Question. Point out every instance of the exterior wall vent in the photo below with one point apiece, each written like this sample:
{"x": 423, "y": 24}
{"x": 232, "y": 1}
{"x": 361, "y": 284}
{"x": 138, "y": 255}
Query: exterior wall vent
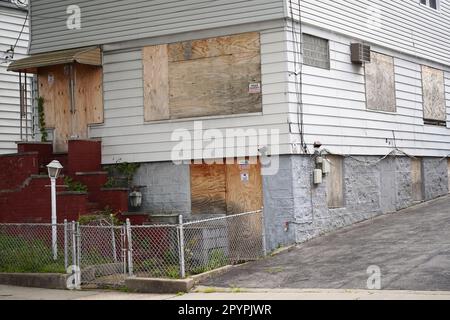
{"x": 360, "y": 53}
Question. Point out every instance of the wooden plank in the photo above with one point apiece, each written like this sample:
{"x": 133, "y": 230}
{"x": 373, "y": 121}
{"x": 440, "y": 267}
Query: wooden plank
{"x": 201, "y": 87}
{"x": 380, "y": 83}
{"x": 156, "y": 83}
{"x": 434, "y": 106}
{"x": 335, "y": 182}
{"x": 244, "y": 195}
{"x": 54, "y": 86}
{"x": 89, "y": 92}
{"x": 208, "y": 189}
{"x": 214, "y": 47}
{"x": 46, "y": 92}
{"x": 416, "y": 172}
{"x": 212, "y": 76}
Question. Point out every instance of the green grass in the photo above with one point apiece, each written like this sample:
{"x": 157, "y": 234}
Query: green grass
{"x": 18, "y": 255}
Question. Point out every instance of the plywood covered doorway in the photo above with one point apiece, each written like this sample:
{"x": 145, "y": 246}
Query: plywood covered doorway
{"x": 226, "y": 188}
{"x": 71, "y": 105}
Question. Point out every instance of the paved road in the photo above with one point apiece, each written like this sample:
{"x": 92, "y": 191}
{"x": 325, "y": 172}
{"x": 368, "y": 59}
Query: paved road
{"x": 202, "y": 294}
{"x": 412, "y": 248}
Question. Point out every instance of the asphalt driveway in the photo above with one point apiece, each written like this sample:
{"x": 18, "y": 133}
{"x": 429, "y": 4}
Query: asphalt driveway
{"x": 411, "y": 248}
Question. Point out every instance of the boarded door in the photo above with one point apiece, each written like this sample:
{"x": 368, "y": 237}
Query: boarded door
{"x": 67, "y": 121}
{"x": 226, "y": 189}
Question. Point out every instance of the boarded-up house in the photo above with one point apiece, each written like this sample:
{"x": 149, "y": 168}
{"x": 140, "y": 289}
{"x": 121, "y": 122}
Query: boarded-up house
{"x": 370, "y": 80}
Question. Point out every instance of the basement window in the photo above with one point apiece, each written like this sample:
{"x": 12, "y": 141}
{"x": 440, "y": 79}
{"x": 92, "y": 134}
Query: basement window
{"x": 433, "y": 4}
{"x": 335, "y": 182}
{"x": 316, "y": 52}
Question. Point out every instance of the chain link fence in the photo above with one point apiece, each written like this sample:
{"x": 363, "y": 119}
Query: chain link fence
{"x": 106, "y": 254}
{"x": 30, "y": 248}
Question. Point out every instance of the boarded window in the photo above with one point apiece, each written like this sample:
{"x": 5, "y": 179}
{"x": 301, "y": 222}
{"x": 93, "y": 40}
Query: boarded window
{"x": 316, "y": 51}
{"x": 434, "y": 106}
{"x": 335, "y": 182}
{"x": 416, "y": 173}
{"x": 380, "y": 83}
{"x": 209, "y": 77}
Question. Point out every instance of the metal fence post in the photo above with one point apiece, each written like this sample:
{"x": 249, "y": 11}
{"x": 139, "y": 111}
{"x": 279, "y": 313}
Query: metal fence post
{"x": 113, "y": 239}
{"x": 263, "y": 225}
{"x": 130, "y": 248}
{"x": 181, "y": 243}
{"x": 74, "y": 244}
{"x": 66, "y": 249}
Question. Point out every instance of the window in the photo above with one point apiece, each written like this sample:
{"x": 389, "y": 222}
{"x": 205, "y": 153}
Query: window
{"x": 430, "y": 3}
{"x": 335, "y": 182}
{"x": 380, "y": 83}
{"x": 434, "y": 104}
{"x": 316, "y": 52}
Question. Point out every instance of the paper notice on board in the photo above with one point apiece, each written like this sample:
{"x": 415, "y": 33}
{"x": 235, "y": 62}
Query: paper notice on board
{"x": 254, "y": 88}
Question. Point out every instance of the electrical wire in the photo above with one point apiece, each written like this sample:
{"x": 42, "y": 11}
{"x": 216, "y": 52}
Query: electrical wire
{"x": 298, "y": 72}
{"x": 11, "y": 51}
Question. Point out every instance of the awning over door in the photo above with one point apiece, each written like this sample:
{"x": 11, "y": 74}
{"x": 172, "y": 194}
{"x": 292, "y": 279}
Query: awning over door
{"x": 89, "y": 56}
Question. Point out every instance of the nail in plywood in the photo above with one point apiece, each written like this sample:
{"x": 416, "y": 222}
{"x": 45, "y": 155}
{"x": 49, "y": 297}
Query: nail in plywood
{"x": 208, "y": 189}
{"x": 416, "y": 172}
{"x": 434, "y": 107}
{"x": 156, "y": 83}
{"x": 335, "y": 182}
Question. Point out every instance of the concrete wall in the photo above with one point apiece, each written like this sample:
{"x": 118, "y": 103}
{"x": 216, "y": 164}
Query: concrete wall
{"x": 371, "y": 188}
{"x": 168, "y": 188}
{"x": 435, "y": 177}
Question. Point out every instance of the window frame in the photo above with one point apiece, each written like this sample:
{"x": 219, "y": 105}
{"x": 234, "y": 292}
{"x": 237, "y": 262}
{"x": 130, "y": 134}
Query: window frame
{"x": 428, "y": 5}
{"x": 328, "y": 51}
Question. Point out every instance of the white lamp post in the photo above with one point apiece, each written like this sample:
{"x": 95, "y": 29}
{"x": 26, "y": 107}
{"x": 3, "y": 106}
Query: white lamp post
{"x": 54, "y": 169}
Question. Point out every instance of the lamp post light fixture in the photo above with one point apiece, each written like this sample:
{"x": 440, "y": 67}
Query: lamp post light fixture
{"x": 54, "y": 169}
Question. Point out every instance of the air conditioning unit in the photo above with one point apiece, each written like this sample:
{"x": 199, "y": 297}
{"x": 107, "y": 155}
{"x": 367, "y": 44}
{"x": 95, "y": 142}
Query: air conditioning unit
{"x": 360, "y": 53}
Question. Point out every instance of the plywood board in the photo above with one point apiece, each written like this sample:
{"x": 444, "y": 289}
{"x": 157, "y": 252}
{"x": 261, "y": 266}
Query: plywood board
{"x": 214, "y": 47}
{"x": 208, "y": 189}
{"x": 434, "y": 107}
{"x": 335, "y": 182}
{"x": 416, "y": 173}
{"x": 244, "y": 195}
{"x": 156, "y": 83}
{"x": 380, "y": 83}
{"x": 54, "y": 87}
{"x": 212, "y": 76}
{"x": 89, "y": 94}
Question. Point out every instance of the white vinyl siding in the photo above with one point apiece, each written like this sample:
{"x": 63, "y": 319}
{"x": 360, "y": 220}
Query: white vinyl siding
{"x": 335, "y": 113}
{"x": 11, "y": 22}
{"x": 104, "y": 21}
{"x": 403, "y": 25}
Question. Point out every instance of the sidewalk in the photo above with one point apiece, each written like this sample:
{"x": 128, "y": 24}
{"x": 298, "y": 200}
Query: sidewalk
{"x": 205, "y": 293}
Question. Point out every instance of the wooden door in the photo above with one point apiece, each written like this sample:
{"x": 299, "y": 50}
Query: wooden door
{"x": 244, "y": 188}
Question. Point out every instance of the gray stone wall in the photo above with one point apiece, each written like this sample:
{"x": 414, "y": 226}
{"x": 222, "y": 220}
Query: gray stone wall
{"x": 168, "y": 188}
{"x": 435, "y": 178}
{"x": 371, "y": 188}
{"x": 279, "y": 207}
